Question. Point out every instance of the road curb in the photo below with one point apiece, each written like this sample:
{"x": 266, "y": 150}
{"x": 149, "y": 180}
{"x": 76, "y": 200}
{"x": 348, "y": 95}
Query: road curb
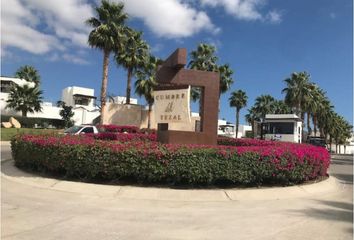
{"x": 11, "y": 173}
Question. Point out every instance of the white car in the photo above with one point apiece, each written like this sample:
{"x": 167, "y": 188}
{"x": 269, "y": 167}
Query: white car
{"x": 82, "y": 129}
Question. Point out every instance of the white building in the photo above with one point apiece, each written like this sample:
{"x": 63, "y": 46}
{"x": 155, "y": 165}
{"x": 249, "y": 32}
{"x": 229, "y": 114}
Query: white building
{"x": 282, "y": 127}
{"x": 229, "y": 130}
{"x": 6, "y": 84}
{"x": 81, "y": 99}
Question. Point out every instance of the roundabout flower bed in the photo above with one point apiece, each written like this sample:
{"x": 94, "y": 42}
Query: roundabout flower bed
{"x": 140, "y": 158}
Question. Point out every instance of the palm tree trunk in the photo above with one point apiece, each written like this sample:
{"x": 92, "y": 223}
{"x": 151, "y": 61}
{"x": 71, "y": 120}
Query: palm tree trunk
{"x": 330, "y": 143}
{"x": 104, "y": 85}
{"x": 149, "y": 116}
{"x": 253, "y": 129}
{"x": 314, "y": 119}
{"x": 302, "y": 115}
{"x": 308, "y": 124}
{"x": 129, "y": 80}
{"x": 24, "y": 113}
{"x": 237, "y": 120}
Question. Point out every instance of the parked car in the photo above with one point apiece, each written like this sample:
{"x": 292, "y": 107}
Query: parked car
{"x": 81, "y": 129}
{"x": 317, "y": 141}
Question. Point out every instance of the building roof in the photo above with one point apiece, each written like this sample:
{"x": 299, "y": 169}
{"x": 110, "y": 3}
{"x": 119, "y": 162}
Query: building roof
{"x": 82, "y": 95}
{"x": 282, "y": 117}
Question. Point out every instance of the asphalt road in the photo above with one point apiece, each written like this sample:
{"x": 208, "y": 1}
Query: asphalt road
{"x": 37, "y": 213}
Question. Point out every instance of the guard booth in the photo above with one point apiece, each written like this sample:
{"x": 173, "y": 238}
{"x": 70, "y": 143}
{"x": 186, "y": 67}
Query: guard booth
{"x": 282, "y": 127}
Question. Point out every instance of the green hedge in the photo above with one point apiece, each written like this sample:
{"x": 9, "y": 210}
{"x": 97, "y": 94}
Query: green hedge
{"x": 28, "y": 122}
{"x": 151, "y": 162}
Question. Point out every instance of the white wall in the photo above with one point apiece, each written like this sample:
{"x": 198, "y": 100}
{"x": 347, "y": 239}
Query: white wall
{"x": 122, "y": 100}
{"x": 83, "y": 116}
{"x": 69, "y": 92}
{"x": 47, "y": 112}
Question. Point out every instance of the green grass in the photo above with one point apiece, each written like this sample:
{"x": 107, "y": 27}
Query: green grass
{"x": 8, "y": 133}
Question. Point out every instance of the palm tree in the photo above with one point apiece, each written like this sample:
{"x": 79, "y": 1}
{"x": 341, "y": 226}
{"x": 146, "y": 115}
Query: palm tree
{"x": 203, "y": 59}
{"x": 133, "y": 57}
{"x": 238, "y": 100}
{"x": 320, "y": 104}
{"x": 25, "y": 99}
{"x": 280, "y": 107}
{"x": 298, "y": 86}
{"x": 108, "y": 31}
{"x": 226, "y": 79}
{"x": 264, "y": 104}
{"x": 146, "y": 81}
{"x": 28, "y": 73}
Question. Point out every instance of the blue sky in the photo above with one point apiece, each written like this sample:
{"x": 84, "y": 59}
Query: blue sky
{"x": 263, "y": 41}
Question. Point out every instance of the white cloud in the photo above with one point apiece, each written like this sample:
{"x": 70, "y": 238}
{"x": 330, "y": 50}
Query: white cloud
{"x": 66, "y": 18}
{"x": 17, "y": 30}
{"x": 42, "y": 27}
{"x": 274, "y": 16}
{"x": 156, "y": 48}
{"x": 170, "y": 18}
{"x": 245, "y": 9}
{"x": 75, "y": 59}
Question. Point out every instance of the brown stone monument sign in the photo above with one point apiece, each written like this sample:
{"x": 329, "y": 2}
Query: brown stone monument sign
{"x": 172, "y": 75}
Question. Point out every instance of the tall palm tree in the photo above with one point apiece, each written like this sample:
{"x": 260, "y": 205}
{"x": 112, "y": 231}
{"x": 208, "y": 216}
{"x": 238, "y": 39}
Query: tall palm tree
{"x": 204, "y": 59}
{"x": 280, "y": 107}
{"x": 108, "y": 31}
{"x": 146, "y": 81}
{"x": 238, "y": 100}
{"x": 25, "y": 99}
{"x": 321, "y": 116}
{"x": 264, "y": 104}
{"x": 28, "y": 73}
{"x": 298, "y": 86}
{"x": 226, "y": 79}
{"x": 133, "y": 57}
{"x": 320, "y": 104}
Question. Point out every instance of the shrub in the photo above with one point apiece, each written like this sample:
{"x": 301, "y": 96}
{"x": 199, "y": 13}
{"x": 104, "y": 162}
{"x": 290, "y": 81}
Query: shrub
{"x": 148, "y": 161}
{"x": 119, "y": 129}
{"x": 124, "y": 137}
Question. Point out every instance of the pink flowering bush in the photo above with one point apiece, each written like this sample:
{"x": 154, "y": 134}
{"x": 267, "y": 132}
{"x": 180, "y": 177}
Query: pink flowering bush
{"x": 118, "y": 129}
{"x": 135, "y": 156}
{"x": 124, "y": 137}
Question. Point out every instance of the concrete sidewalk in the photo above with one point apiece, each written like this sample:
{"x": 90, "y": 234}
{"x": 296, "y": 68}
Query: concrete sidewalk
{"x": 11, "y": 173}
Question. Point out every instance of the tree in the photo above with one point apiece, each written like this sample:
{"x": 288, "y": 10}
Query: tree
{"x": 298, "y": 87}
{"x": 28, "y": 73}
{"x": 133, "y": 57}
{"x": 238, "y": 100}
{"x": 66, "y": 113}
{"x": 226, "y": 79}
{"x": 146, "y": 81}
{"x": 107, "y": 34}
{"x": 280, "y": 107}
{"x": 204, "y": 59}
{"x": 25, "y": 99}
{"x": 264, "y": 104}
